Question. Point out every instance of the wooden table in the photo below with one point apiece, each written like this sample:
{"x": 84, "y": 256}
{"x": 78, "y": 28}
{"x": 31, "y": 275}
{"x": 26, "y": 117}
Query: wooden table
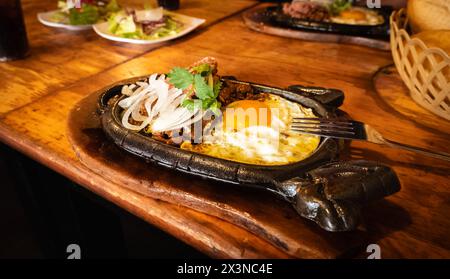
{"x": 60, "y": 58}
{"x": 43, "y": 88}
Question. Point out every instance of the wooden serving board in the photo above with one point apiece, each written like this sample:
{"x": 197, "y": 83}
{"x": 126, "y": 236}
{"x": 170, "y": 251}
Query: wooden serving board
{"x": 394, "y": 94}
{"x": 255, "y": 20}
{"x": 259, "y": 212}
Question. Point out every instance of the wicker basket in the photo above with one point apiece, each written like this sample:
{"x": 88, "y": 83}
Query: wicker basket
{"x": 425, "y": 71}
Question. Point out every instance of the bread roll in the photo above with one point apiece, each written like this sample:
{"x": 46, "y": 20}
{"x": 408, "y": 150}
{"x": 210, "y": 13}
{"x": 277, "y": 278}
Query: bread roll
{"x": 437, "y": 39}
{"x": 429, "y": 15}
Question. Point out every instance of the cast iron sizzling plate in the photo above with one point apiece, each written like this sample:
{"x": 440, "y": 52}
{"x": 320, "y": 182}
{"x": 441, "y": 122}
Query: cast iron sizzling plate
{"x": 326, "y": 191}
{"x": 277, "y": 17}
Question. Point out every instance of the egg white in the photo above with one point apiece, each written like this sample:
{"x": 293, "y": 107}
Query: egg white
{"x": 372, "y": 18}
{"x": 262, "y": 145}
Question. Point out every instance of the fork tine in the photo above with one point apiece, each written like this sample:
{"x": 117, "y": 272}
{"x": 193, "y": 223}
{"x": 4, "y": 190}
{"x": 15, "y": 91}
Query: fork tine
{"x": 321, "y": 125}
{"x": 329, "y": 127}
{"x": 322, "y": 120}
{"x": 329, "y": 130}
{"x": 332, "y": 124}
{"x": 325, "y": 134}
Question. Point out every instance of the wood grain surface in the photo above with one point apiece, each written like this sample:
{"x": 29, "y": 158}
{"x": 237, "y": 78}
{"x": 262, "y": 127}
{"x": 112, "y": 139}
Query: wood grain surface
{"x": 59, "y": 57}
{"x": 413, "y": 223}
{"x": 388, "y": 80}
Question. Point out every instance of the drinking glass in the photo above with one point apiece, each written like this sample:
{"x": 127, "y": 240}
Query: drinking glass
{"x": 13, "y": 36}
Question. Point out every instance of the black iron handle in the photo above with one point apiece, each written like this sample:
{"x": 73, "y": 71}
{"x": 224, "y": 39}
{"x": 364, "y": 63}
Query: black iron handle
{"x": 332, "y": 195}
{"x": 331, "y": 98}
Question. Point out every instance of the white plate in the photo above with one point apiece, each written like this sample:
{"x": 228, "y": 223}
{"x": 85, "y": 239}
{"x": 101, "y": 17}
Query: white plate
{"x": 46, "y": 19}
{"x": 189, "y": 24}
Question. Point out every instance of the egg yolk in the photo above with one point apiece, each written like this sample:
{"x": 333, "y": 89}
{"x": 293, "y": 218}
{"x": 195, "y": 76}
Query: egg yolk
{"x": 352, "y": 14}
{"x": 246, "y": 113}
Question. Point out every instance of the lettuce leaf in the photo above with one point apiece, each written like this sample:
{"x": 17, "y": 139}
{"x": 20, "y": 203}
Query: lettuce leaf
{"x": 87, "y": 14}
{"x": 126, "y": 26}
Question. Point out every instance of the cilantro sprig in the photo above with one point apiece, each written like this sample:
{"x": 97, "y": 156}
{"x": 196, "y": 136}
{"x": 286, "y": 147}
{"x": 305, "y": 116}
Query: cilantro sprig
{"x": 180, "y": 78}
{"x": 202, "y": 83}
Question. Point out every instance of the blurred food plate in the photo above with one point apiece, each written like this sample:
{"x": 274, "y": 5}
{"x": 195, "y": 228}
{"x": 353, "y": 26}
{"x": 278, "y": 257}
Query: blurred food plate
{"x": 48, "y": 19}
{"x": 188, "y": 25}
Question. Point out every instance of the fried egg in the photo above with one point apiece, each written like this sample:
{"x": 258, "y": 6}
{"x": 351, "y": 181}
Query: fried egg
{"x": 358, "y": 16}
{"x": 258, "y": 132}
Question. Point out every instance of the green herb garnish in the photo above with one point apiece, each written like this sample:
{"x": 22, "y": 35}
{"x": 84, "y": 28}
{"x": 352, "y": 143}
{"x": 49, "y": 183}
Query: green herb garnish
{"x": 180, "y": 78}
{"x": 215, "y": 107}
{"x": 191, "y": 104}
{"x": 202, "y": 69}
{"x": 205, "y": 89}
{"x": 216, "y": 88}
{"x": 202, "y": 90}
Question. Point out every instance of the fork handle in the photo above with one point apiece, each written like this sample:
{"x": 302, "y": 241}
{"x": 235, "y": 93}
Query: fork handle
{"x": 438, "y": 155}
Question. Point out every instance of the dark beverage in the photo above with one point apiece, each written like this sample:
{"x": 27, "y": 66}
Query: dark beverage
{"x": 13, "y": 37}
{"x": 169, "y": 4}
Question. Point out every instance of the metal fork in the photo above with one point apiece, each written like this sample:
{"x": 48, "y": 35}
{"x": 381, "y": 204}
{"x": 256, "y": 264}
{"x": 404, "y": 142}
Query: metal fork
{"x": 355, "y": 130}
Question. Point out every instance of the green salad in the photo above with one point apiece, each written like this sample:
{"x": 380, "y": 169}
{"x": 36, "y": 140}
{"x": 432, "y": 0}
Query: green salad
{"x": 85, "y": 12}
{"x": 148, "y": 24}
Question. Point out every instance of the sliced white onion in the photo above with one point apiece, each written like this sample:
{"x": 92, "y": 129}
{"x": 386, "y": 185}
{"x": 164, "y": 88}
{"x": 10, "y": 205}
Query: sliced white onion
{"x": 161, "y": 104}
{"x": 126, "y": 116}
{"x": 136, "y": 113}
{"x": 162, "y": 90}
{"x": 127, "y": 102}
{"x": 148, "y": 106}
{"x": 170, "y": 103}
{"x": 152, "y": 78}
{"x": 197, "y": 117}
{"x": 168, "y": 118}
{"x": 175, "y": 103}
{"x": 142, "y": 84}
